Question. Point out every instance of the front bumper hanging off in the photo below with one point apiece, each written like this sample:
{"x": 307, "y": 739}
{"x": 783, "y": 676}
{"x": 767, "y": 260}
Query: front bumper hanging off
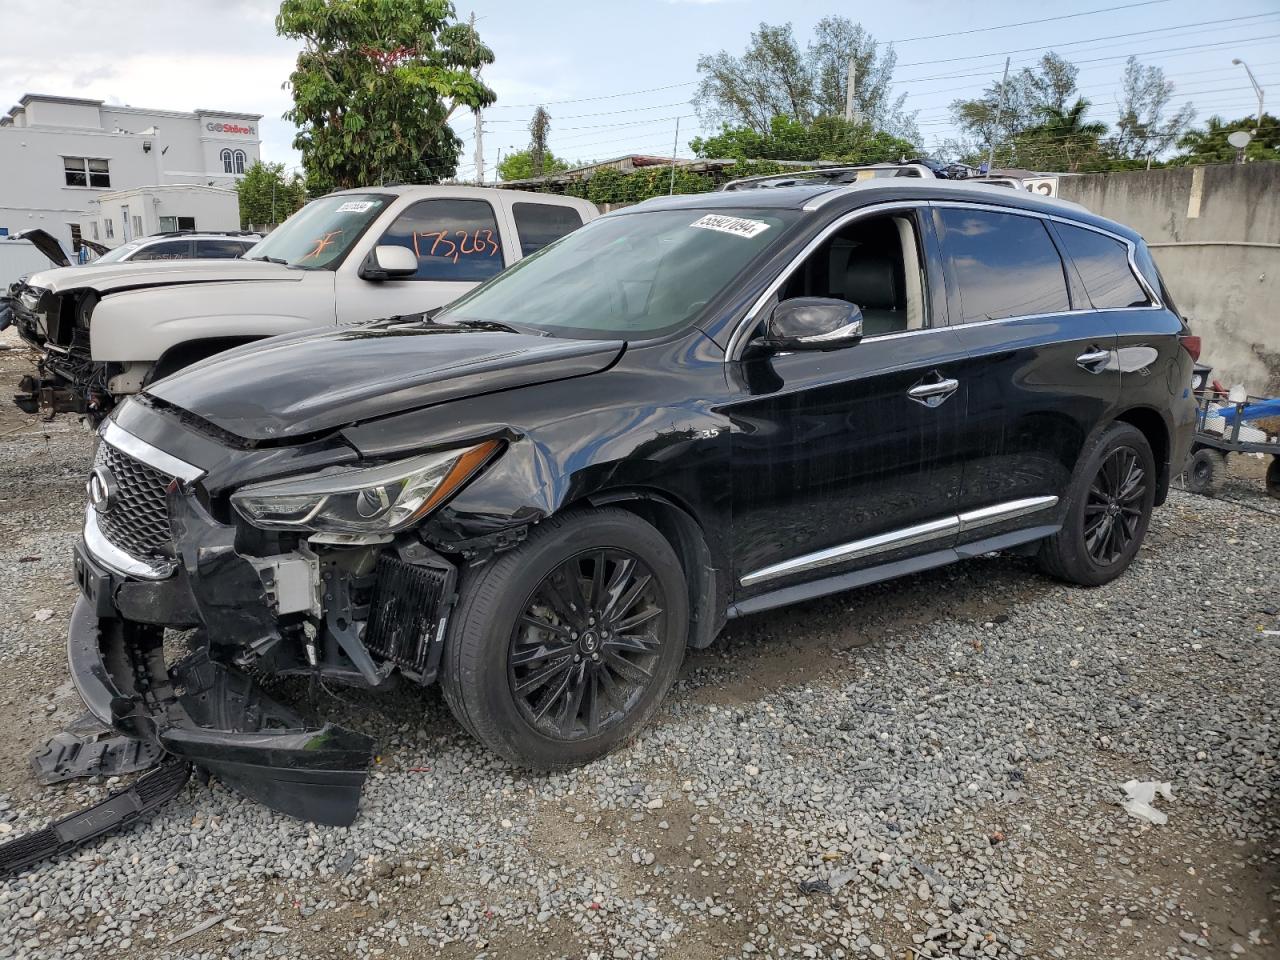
{"x": 201, "y": 709}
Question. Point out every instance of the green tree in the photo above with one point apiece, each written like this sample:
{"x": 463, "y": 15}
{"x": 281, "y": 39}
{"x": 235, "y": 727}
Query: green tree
{"x": 1006, "y": 109}
{"x": 375, "y": 86}
{"x": 1062, "y": 140}
{"x": 539, "y": 130}
{"x": 826, "y": 138}
{"x": 267, "y": 196}
{"x": 1145, "y": 128}
{"x": 776, "y": 78}
{"x": 1209, "y": 143}
{"x": 519, "y": 165}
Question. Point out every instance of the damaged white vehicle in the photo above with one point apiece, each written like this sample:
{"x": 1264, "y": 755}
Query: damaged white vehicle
{"x": 108, "y": 331}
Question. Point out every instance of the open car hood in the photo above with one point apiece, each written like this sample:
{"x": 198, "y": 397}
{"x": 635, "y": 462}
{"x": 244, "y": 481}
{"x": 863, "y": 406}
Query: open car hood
{"x": 307, "y": 383}
{"x": 106, "y": 277}
{"x": 46, "y": 243}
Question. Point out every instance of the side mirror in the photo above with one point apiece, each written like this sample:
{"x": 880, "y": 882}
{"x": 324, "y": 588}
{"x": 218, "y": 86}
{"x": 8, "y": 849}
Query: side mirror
{"x": 811, "y": 323}
{"x": 388, "y": 261}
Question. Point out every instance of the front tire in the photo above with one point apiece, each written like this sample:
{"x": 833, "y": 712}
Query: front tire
{"x": 1107, "y": 510}
{"x": 563, "y": 648}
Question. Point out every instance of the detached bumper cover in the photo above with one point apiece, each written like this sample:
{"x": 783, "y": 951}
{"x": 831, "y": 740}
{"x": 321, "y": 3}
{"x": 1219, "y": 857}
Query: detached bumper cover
{"x": 215, "y": 717}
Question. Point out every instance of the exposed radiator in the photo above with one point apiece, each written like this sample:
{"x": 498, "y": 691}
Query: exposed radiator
{"x": 405, "y": 612}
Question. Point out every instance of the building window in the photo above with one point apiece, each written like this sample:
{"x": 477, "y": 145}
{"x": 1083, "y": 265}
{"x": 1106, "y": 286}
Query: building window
{"x": 86, "y": 172}
{"x": 239, "y": 161}
{"x": 226, "y": 162}
{"x": 174, "y": 224}
{"x": 137, "y": 225}
{"x": 75, "y": 237}
{"x": 93, "y": 225}
{"x": 109, "y": 228}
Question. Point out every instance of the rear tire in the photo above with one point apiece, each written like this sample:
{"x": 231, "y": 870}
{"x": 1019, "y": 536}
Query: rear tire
{"x": 1107, "y": 509}
{"x": 1205, "y": 470}
{"x": 563, "y": 647}
{"x": 1273, "y": 477}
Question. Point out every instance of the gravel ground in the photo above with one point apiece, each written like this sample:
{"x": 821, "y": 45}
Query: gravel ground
{"x": 926, "y": 768}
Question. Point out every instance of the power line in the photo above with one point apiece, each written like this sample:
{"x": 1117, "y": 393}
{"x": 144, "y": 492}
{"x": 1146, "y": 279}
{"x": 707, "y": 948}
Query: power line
{"x": 608, "y": 113}
{"x": 1076, "y": 43}
{"x": 605, "y": 96}
{"x": 1123, "y": 56}
{"x": 1025, "y": 23}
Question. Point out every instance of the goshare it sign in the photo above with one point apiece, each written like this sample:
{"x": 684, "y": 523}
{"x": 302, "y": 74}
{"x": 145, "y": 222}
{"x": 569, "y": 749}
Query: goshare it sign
{"x": 214, "y": 126}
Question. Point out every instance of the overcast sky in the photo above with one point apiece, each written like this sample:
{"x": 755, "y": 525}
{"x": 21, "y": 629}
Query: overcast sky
{"x": 225, "y": 54}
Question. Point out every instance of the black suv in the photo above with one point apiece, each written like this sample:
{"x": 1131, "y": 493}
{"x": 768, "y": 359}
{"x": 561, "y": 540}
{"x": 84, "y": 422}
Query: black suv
{"x": 689, "y": 410}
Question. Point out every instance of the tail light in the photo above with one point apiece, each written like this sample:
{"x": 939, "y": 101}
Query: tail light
{"x": 1191, "y": 344}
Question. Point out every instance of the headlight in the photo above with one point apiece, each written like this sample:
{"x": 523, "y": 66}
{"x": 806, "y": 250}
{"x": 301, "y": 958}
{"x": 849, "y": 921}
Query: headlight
{"x": 372, "y": 500}
{"x": 29, "y": 297}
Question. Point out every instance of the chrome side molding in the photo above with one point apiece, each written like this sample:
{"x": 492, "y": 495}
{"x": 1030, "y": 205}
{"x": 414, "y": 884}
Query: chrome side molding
{"x": 905, "y": 537}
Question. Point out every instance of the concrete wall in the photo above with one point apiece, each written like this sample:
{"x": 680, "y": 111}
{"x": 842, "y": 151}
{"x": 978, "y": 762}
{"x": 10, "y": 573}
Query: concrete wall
{"x": 1215, "y": 234}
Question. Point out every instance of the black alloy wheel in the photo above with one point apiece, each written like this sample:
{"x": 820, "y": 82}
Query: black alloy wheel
{"x": 1105, "y": 509}
{"x": 562, "y": 648}
{"x": 587, "y": 645}
{"x": 1113, "y": 512}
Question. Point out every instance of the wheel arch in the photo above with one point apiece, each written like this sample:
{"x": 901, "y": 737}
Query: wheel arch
{"x": 191, "y": 351}
{"x": 1155, "y": 428}
{"x": 705, "y": 575}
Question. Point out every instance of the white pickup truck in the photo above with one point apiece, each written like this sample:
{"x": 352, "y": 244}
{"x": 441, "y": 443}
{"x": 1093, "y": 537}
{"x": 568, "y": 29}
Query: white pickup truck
{"x": 107, "y": 331}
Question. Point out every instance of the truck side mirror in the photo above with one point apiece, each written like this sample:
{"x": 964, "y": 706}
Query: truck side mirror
{"x": 387, "y": 262}
{"x": 811, "y": 323}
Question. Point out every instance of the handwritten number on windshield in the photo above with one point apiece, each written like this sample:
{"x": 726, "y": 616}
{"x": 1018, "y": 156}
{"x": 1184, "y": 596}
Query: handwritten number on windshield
{"x": 476, "y": 243}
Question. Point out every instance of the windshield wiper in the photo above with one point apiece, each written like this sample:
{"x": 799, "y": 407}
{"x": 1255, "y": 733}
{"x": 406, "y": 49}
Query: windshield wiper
{"x": 265, "y": 259}
{"x": 493, "y": 326}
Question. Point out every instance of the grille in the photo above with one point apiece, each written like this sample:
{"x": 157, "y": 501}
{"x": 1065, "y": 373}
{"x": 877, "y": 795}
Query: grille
{"x": 404, "y": 611}
{"x": 138, "y": 521}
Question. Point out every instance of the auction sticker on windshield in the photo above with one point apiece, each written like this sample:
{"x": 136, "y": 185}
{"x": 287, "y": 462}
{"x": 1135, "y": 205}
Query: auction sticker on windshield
{"x": 357, "y": 206}
{"x": 738, "y": 226}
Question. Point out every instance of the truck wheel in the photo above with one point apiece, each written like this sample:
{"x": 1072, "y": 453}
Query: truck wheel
{"x": 1273, "y": 477}
{"x": 1205, "y": 471}
{"x": 563, "y": 648}
{"x": 1107, "y": 509}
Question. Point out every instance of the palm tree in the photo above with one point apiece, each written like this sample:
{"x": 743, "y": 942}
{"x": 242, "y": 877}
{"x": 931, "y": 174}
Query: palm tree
{"x": 1062, "y": 139}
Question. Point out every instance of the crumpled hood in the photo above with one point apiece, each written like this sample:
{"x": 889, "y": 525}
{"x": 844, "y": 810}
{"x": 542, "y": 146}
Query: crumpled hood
{"x": 307, "y": 383}
{"x": 157, "y": 273}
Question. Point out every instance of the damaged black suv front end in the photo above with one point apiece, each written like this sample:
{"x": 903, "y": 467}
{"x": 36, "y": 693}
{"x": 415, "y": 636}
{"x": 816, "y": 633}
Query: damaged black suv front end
{"x": 257, "y": 576}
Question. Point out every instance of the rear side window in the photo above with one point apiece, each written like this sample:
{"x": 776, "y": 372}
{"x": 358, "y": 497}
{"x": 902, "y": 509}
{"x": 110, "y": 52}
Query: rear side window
{"x": 1103, "y": 264}
{"x": 1005, "y": 265}
{"x": 452, "y": 239}
{"x": 220, "y": 249}
{"x": 165, "y": 250}
{"x": 542, "y": 223}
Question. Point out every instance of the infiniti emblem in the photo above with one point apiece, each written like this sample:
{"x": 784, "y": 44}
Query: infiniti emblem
{"x": 102, "y": 489}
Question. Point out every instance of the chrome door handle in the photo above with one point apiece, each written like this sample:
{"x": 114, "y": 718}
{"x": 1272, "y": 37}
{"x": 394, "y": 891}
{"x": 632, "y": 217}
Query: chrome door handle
{"x": 1090, "y": 359}
{"x": 933, "y": 394}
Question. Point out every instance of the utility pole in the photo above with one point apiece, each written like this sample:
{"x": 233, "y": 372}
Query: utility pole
{"x": 674, "y": 146}
{"x": 1256, "y": 89}
{"x": 851, "y": 88}
{"x": 479, "y": 149}
{"x": 991, "y": 147}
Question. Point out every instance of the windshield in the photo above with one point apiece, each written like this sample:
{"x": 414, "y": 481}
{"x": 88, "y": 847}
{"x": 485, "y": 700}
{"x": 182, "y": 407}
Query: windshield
{"x": 636, "y": 275}
{"x": 319, "y": 235}
{"x": 120, "y": 252}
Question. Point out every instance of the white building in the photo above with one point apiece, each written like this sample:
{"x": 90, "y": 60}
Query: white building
{"x": 63, "y": 159}
{"x": 160, "y": 209}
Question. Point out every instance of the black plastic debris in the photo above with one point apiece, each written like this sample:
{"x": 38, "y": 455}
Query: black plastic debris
{"x": 148, "y": 792}
{"x": 89, "y": 748}
{"x": 814, "y": 885}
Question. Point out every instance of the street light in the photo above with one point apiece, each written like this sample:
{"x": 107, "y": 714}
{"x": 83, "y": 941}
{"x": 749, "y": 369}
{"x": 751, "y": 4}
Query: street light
{"x": 1256, "y": 89}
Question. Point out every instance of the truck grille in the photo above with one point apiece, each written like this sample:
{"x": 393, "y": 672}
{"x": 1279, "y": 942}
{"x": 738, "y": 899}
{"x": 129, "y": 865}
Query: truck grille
{"x": 138, "y": 520}
{"x": 404, "y": 612}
